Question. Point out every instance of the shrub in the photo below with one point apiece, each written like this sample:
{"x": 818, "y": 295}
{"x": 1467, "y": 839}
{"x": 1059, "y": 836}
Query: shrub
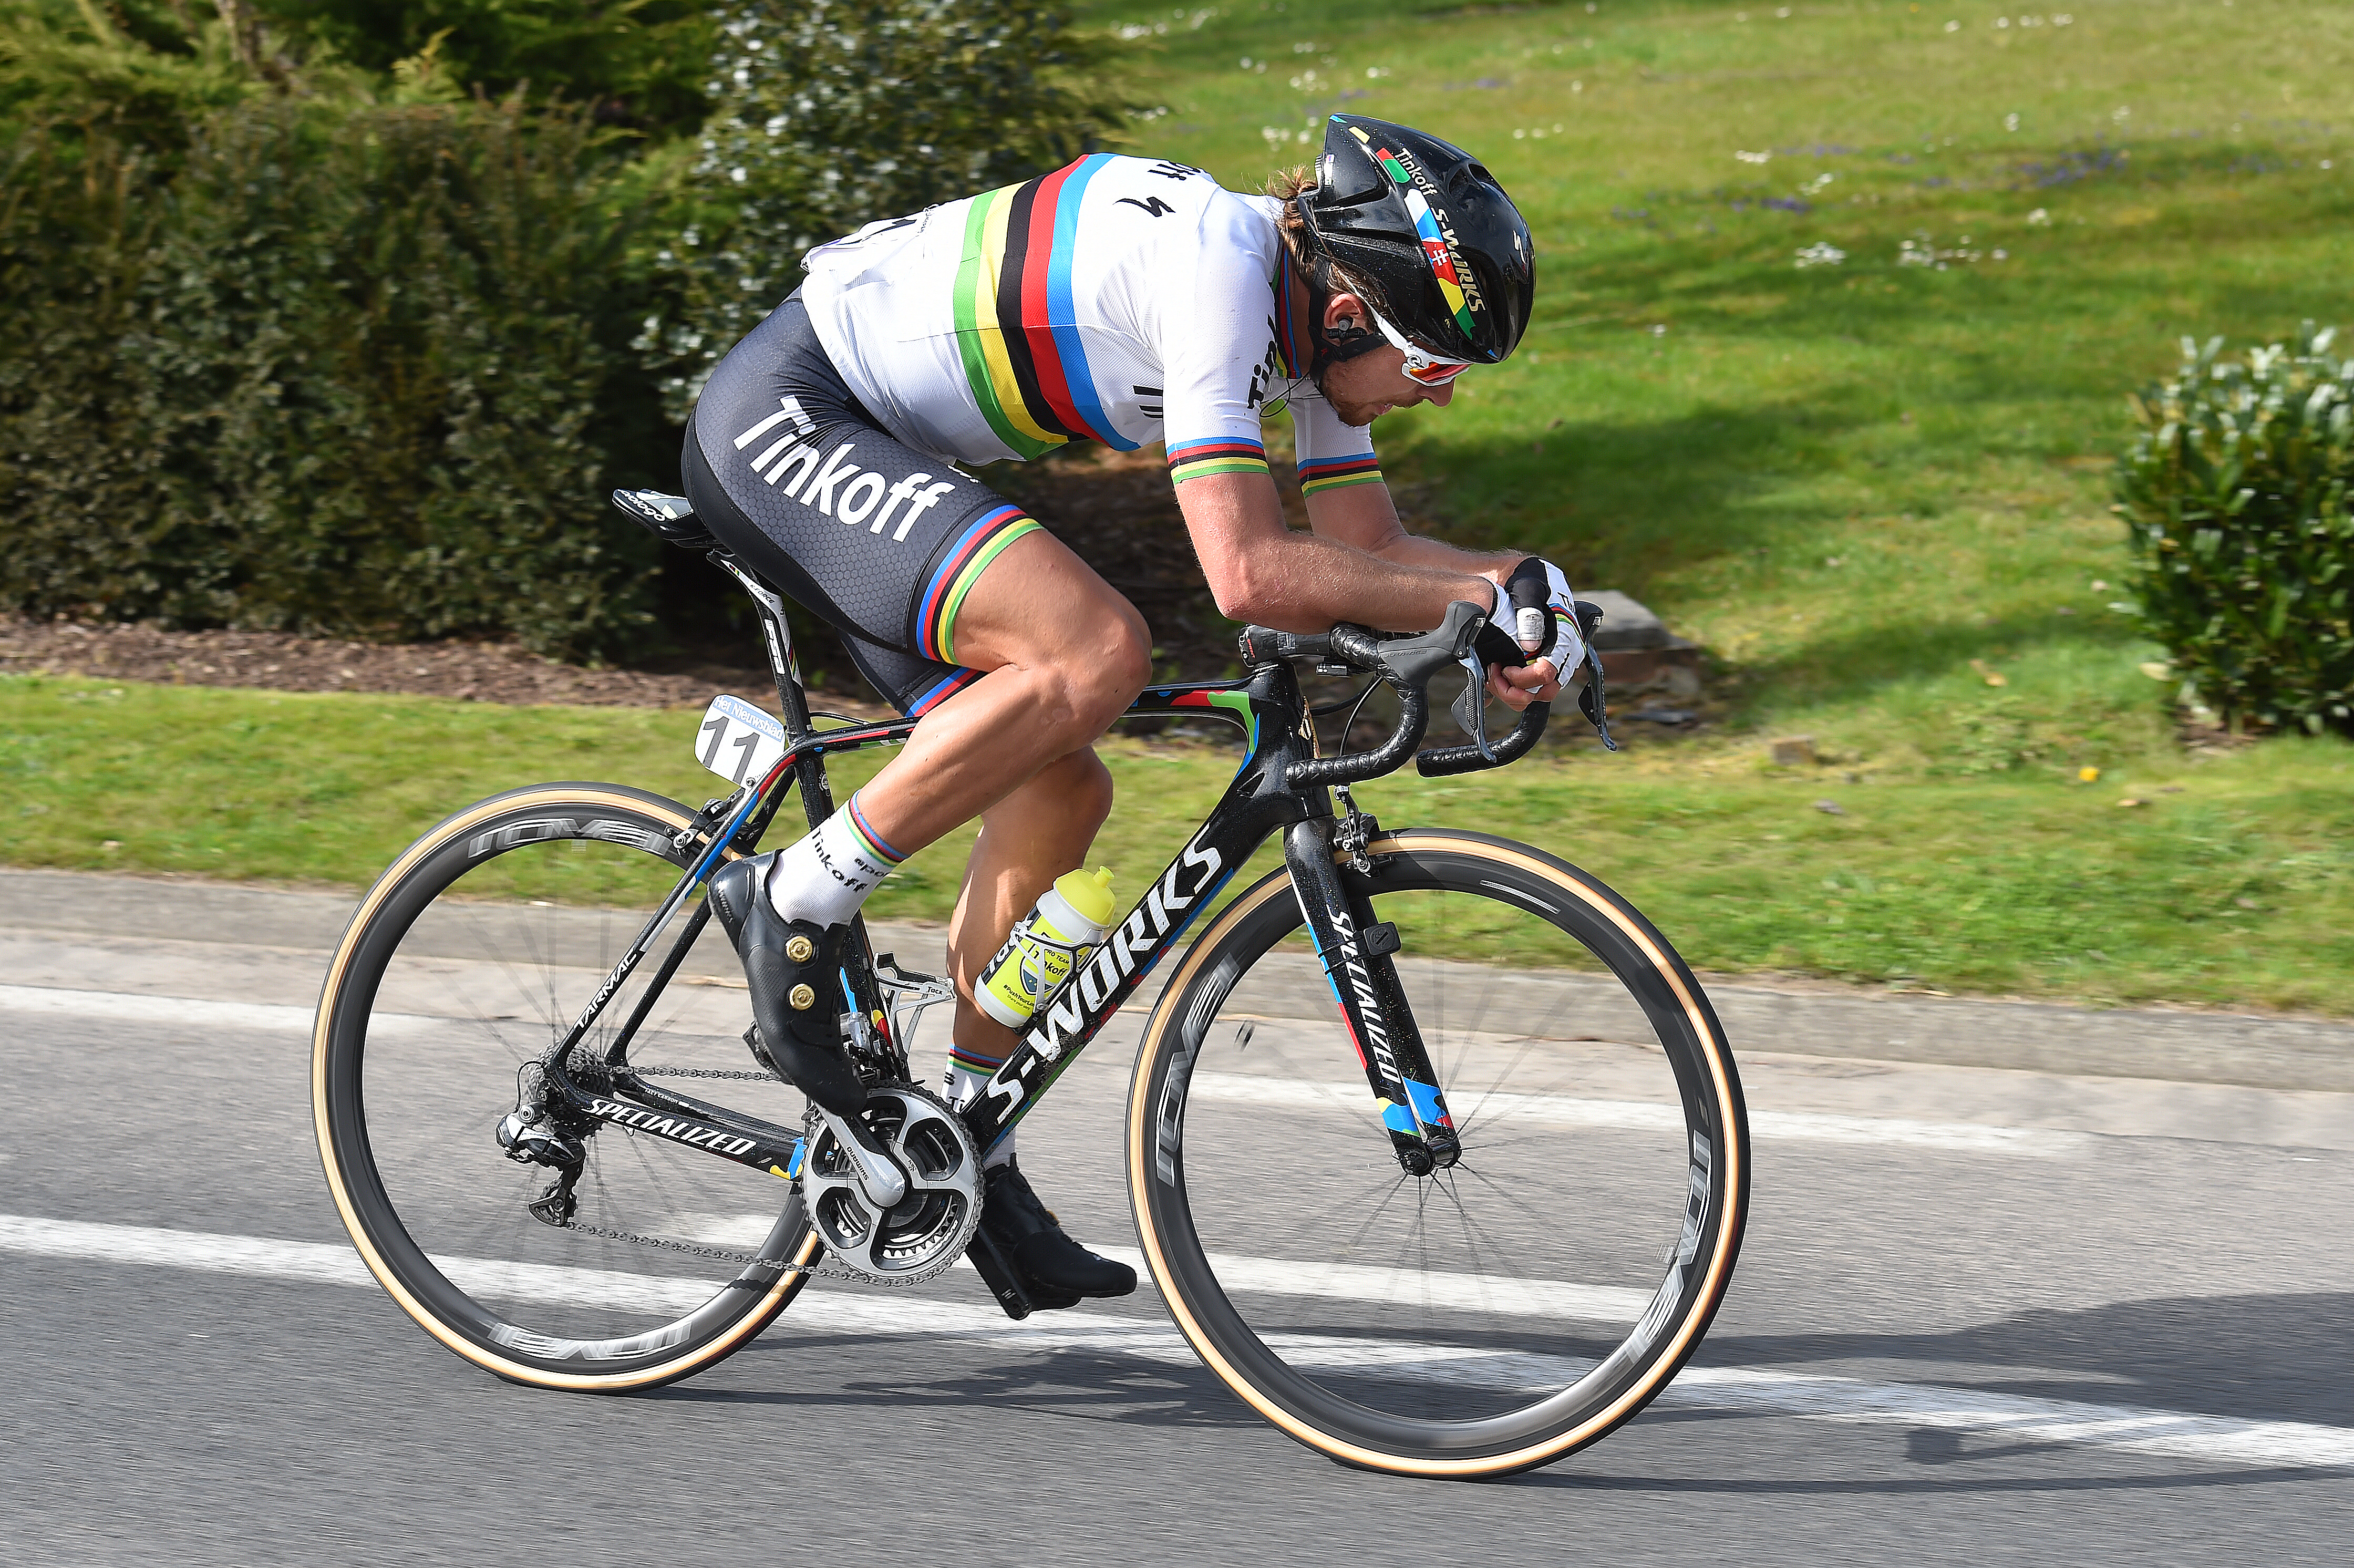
{"x": 357, "y": 372}
{"x": 2234, "y": 500}
{"x": 831, "y": 114}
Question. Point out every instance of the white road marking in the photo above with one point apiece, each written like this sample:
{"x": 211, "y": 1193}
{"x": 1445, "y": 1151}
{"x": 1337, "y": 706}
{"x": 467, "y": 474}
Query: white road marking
{"x": 1646, "y": 1115}
{"x": 1552, "y": 1110}
{"x": 188, "y": 1013}
{"x": 1399, "y": 1287}
{"x": 2162, "y": 1433}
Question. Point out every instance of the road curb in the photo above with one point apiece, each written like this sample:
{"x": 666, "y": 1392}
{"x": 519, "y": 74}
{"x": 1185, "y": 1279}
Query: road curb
{"x": 2253, "y": 1050}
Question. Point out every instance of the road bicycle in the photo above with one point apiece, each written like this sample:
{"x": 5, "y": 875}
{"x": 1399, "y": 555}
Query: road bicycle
{"x": 1435, "y": 1149}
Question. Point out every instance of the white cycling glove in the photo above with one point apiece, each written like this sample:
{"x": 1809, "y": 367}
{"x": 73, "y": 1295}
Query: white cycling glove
{"x": 1543, "y": 616}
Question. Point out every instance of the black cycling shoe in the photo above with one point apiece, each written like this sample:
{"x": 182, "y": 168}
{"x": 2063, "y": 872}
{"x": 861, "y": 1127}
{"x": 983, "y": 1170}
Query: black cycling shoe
{"x": 1056, "y": 1270}
{"x": 794, "y": 970}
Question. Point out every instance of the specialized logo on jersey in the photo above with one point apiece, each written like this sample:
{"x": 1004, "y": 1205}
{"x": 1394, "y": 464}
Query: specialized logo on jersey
{"x": 816, "y": 476}
{"x": 1439, "y": 246}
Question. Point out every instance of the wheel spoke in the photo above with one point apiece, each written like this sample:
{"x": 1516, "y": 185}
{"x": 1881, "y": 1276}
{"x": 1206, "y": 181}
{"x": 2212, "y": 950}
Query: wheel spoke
{"x": 1425, "y": 1316}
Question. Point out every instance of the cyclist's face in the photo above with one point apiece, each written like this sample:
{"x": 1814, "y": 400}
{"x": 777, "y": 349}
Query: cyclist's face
{"x": 1362, "y": 389}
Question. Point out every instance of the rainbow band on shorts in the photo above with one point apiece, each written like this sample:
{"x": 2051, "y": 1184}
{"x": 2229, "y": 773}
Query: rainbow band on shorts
{"x": 1226, "y": 454}
{"x": 1320, "y": 474}
{"x": 960, "y": 567}
{"x": 875, "y": 844}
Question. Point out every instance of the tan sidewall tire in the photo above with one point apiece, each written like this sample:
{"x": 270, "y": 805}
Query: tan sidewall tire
{"x": 541, "y": 798}
{"x": 1732, "y": 1164}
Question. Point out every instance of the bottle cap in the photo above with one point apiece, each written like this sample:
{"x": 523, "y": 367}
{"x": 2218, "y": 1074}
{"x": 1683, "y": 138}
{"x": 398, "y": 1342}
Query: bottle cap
{"x": 1088, "y": 894}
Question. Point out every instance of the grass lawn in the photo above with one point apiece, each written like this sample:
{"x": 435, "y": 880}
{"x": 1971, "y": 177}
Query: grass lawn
{"x": 1873, "y": 487}
{"x": 2230, "y": 884}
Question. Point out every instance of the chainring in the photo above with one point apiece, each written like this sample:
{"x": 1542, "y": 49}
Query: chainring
{"x": 926, "y": 1231}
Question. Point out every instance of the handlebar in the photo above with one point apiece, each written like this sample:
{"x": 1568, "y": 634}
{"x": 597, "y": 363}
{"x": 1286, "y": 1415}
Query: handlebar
{"x": 1407, "y": 664}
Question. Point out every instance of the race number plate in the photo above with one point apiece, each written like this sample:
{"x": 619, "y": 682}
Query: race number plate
{"x": 737, "y": 741}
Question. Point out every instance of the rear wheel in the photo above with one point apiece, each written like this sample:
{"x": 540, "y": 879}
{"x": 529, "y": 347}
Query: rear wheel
{"x": 474, "y": 953}
{"x": 1492, "y": 1315}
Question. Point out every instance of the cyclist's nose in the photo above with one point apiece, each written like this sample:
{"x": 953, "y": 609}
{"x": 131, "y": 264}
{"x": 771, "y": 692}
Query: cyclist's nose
{"x": 1440, "y": 396}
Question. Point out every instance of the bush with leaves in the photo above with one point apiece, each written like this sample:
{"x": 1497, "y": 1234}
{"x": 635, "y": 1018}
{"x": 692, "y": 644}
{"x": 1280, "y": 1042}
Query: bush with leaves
{"x": 298, "y": 330}
{"x": 2234, "y": 500}
{"x": 831, "y": 114}
{"x": 358, "y": 372}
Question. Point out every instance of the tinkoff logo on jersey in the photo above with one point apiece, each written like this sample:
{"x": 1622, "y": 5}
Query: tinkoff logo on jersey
{"x": 1438, "y": 244}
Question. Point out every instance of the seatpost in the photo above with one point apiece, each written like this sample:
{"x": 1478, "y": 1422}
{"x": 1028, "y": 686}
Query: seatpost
{"x": 817, "y": 796}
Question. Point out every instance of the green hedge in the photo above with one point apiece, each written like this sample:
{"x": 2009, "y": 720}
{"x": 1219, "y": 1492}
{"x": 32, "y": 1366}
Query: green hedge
{"x": 306, "y": 348}
{"x": 362, "y": 372}
{"x": 2235, "y": 497}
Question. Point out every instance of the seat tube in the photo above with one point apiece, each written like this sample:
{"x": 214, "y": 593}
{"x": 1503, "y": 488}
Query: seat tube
{"x": 1354, "y": 952}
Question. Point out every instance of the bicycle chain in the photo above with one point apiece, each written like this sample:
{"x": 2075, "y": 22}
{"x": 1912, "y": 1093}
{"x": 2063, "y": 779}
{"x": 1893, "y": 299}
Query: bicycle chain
{"x": 702, "y": 1073}
{"x": 721, "y": 1254}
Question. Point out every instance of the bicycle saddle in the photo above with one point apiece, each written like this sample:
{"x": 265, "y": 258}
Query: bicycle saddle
{"x": 671, "y": 517}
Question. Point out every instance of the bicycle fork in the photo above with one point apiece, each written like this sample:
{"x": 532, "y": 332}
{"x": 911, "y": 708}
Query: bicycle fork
{"x": 1354, "y": 951}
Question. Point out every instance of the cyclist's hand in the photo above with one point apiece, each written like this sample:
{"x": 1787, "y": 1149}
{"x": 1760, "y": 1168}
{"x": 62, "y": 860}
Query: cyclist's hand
{"x": 1544, "y": 625}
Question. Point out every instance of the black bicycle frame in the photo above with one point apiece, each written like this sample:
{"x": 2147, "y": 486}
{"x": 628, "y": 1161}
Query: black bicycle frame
{"x": 1278, "y": 731}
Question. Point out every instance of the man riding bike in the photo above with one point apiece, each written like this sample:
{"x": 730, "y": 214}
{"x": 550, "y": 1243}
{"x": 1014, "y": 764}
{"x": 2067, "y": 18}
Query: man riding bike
{"x": 1120, "y": 300}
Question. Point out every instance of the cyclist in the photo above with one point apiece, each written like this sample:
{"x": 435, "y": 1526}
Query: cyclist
{"x": 1120, "y": 300}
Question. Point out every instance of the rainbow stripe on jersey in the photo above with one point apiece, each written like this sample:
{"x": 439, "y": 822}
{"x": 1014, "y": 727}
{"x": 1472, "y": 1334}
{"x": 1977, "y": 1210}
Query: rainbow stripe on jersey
{"x": 1016, "y": 326}
{"x": 960, "y": 567}
{"x": 1318, "y": 475}
{"x": 1222, "y": 455}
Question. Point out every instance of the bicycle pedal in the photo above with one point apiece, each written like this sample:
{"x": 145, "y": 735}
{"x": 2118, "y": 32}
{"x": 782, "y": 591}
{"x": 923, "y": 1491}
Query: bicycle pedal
{"x": 759, "y": 1049}
{"x": 997, "y": 1272}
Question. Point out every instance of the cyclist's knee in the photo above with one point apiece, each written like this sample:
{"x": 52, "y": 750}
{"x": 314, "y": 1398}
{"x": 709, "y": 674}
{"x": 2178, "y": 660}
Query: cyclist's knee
{"x": 1085, "y": 790}
{"x": 1097, "y": 681}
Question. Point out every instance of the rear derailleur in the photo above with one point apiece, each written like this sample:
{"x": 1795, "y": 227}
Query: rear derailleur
{"x": 533, "y": 1134}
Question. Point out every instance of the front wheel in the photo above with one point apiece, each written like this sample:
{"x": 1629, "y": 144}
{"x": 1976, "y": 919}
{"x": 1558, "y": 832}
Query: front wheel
{"x": 1492, "y": 1315}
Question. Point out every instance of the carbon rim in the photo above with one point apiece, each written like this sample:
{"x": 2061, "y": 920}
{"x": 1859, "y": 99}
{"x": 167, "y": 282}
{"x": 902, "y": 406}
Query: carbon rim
{"x": 1341, "y": 1344}
{"x": 450, "y": 974}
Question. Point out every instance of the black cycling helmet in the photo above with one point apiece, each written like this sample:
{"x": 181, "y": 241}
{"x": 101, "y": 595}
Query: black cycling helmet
{"x": 1428, "y": 224}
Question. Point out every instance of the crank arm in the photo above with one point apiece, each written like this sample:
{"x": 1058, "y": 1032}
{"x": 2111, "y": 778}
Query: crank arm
{"x": 879, "y": 1176}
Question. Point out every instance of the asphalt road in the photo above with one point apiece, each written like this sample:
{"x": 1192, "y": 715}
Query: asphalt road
{"x": 1983, "y": 1313}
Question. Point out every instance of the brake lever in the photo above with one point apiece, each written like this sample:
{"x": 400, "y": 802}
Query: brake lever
{"x": 1472, "y": 707}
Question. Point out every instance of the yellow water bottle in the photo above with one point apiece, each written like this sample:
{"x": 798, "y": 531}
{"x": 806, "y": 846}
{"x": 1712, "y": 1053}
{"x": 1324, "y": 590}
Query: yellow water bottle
{"x": 1045, "y": 946}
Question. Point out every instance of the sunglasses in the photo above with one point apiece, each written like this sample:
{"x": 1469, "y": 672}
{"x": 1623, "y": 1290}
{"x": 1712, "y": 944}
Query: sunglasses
{"x": 1421, "y": 364}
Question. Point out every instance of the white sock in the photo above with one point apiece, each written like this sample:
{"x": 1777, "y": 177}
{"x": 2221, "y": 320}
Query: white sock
{"x": 963, "y": 1080}
{"x": 828, "y": 874}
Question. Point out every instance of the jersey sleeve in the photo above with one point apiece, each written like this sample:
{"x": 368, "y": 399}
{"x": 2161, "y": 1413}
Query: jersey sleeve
{"x": 1332, "y": 456}
{"x": 1216, "y": 333}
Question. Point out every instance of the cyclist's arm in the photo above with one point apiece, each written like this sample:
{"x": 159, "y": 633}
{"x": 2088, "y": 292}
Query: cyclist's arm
{"x": 1263, "y": 572}
{"x": 1362, "y": 516}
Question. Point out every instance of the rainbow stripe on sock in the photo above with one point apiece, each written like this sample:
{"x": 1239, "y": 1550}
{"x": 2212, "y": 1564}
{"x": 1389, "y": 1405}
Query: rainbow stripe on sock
{"x": 960, "y": 567}
{"x": 973, "y": 1060}
{"x": 1227, "y": 454}
{"x": 1320, "y": 474}
{"x": 877, "y": 844}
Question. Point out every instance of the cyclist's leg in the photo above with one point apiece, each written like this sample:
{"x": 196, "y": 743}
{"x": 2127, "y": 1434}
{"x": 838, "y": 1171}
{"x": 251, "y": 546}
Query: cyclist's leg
{"x": 1060, "y": 656}
{"x": 1013, "y": 653}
